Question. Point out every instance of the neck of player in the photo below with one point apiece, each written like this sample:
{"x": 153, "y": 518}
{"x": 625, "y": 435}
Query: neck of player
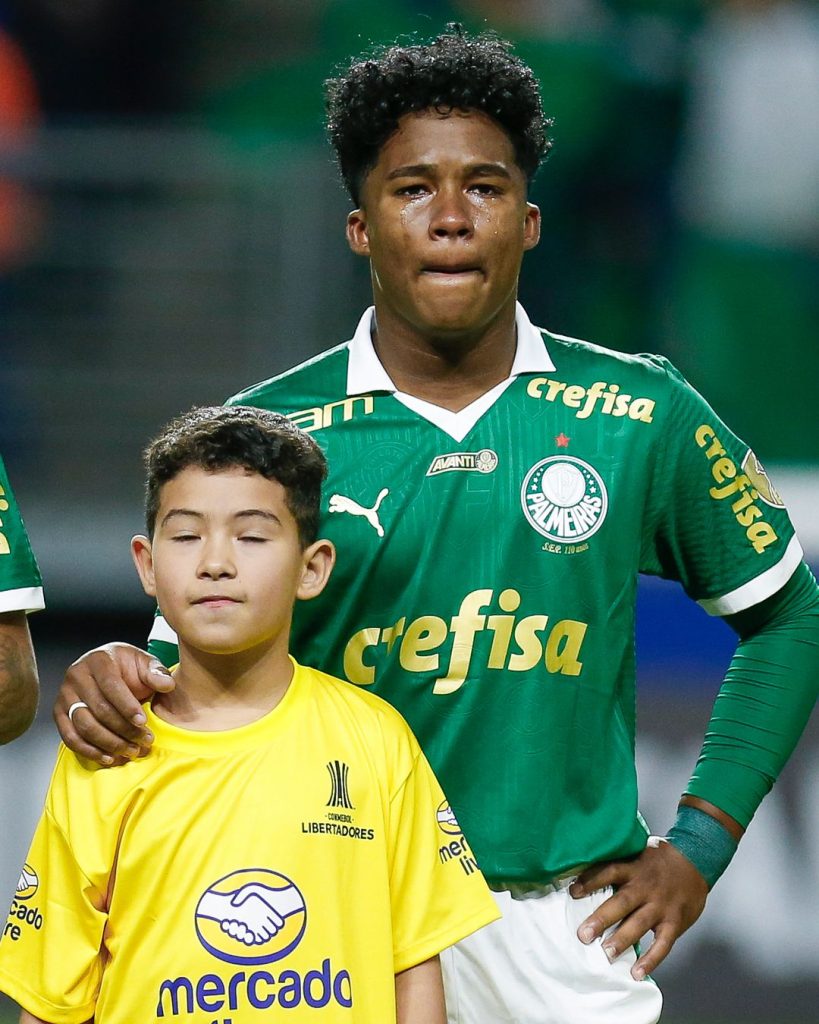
{"x": 448, "y": 368}
{"x": 216, "y": 692}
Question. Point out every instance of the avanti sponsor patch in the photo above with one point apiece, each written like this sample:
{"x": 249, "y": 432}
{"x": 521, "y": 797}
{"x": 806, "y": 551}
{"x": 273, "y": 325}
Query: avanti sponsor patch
{"x": 484, "y": 461}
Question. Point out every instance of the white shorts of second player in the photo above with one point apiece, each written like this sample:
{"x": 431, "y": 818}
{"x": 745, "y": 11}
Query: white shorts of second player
{"x": 530, "y": 968}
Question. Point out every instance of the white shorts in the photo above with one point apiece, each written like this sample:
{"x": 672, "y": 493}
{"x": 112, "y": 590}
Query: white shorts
{"x": 530, "y": 968}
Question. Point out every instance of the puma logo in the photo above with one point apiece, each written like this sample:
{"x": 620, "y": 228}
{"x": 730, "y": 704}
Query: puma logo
{"x": 341, "y": 503}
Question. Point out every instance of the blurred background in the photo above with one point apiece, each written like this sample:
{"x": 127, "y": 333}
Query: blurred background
{"x": 171, "y": 230}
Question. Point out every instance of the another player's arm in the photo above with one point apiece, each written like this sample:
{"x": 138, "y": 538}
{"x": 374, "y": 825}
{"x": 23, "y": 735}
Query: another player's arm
{"x": 19, "y": 687}
{"x": 769, "y": 691}
{"x": 419, "y": 994}
{"x": 110, "y": 681}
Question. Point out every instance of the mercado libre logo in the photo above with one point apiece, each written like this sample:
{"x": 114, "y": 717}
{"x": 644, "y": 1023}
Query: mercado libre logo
{"x": 251, "y": 916}
{"x": 28, "y": 883}
{"x": 447, "y": 822}
{"x": 564, "y": 499}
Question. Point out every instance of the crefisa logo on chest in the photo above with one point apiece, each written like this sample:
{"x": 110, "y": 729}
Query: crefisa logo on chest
{"x": 564, "y": 499}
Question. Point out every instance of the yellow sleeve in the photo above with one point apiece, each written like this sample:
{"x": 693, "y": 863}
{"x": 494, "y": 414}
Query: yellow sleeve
{"x": 438, "y": 894}
{"x": 50, "y": 953}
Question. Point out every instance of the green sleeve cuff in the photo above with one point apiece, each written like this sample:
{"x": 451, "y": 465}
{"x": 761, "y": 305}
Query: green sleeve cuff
{"x": 704, "y": 841}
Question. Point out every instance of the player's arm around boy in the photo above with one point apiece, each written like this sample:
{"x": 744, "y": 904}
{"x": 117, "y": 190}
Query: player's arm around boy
{"x": 18, "y": 676}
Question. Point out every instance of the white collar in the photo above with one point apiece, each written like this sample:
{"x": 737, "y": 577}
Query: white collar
{"x": 365, "y": 372}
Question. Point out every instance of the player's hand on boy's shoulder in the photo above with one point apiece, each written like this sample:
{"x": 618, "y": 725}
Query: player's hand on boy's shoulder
{"x": 98, "y": 712}
{"x": 659, "y": 890}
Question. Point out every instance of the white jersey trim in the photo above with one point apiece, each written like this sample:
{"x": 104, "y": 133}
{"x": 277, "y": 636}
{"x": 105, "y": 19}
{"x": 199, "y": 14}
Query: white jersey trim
{"x": 364, "y": 370}
{"x": 162, "y": 631}
{"x": 365, "y": 373}
{"x": 760, "y": 587}
{"x": 456, "y": 424}
{"x": 24, "y": 599}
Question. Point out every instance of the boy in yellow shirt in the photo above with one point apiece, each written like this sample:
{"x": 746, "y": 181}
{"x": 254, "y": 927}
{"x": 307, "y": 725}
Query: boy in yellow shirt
{"x": 284, "y": 851}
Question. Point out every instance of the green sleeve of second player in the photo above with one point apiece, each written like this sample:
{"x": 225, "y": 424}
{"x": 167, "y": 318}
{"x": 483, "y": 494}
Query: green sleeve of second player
{"x": 769, "y": 691}
{"x": 718, "y": 525}
{"x": 19, "y": 574}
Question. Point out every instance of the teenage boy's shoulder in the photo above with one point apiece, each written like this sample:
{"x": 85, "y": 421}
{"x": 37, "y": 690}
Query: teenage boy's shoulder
{"x": 588, "y": 359}
{"x": 307, "y": 387}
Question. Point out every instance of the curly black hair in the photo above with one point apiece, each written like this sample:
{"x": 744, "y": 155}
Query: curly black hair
{"x": 455, "y": 71}
{"x": 215, "y": 438}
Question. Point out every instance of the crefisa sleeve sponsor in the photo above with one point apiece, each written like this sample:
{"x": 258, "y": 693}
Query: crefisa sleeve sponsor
{"x": 741, "y": 490}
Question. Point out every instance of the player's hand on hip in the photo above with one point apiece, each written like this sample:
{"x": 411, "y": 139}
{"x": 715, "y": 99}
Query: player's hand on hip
{"x": 660, "y": 890}
{"x": 98, "y": 711}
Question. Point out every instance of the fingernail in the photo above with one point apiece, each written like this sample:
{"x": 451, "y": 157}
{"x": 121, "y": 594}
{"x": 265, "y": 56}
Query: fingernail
{"x": 132, "y": 752}
{"x": 147, "y": 737}
{"x": 139, "y": 718}
{"x": 105, "y": 759}
{"x": 610, "y": 952}
{"x": 638, "y": 973}
{"x": 586, "y": 934}
{"x": 159, "y": 670}
{"x": 576, "y": 889}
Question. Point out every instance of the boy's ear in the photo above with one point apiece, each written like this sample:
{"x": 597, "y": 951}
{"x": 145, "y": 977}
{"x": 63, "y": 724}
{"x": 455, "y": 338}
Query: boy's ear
{"x": 531, "y": 227}
{"x": 318, "y": 561}
{"x": 357, "y": 235}
{"x": 144, "y": 562}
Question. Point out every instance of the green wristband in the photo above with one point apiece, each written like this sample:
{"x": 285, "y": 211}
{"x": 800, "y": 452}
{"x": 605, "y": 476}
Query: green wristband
{"x": 707, "y": 844}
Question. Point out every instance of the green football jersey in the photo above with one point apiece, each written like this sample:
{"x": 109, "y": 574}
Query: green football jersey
{"x": 21, "y": 588}
{"x": 487, "y": 572}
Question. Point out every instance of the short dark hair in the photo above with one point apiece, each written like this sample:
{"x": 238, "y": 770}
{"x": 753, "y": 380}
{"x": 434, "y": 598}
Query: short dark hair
{"x": 455, "y": 71}
{"x": 215, "y": 438}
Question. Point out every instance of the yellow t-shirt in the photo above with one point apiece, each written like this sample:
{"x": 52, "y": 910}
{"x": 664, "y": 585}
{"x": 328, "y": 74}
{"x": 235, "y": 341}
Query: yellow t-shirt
{"x": 285, "y": 870}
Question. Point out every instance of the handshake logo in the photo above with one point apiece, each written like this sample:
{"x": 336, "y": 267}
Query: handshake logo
{"x": 251, "y": 916}
{"x": 447, "y": 822}
{"x": 27, "y": 884}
